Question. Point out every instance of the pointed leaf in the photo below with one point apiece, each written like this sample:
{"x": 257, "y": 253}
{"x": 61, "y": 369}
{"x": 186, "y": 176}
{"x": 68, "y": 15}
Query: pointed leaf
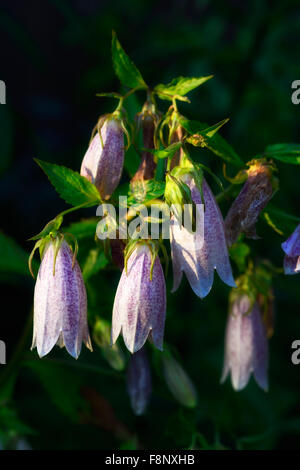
{"x": 125, "y": 69}
{"x": 287, "y": 153}
{"x": 179, "y": 86}
{"x": 70, "y": 185}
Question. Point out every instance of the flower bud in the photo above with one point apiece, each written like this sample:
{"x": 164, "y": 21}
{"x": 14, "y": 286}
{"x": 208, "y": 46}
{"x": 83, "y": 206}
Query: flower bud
{"x": 199, "y": 254}
{"x": 148, "y": 119}
{"x": 60, "y": 304}
{"x": 246, "y": 345}
{"x": 291, "y": 247}
{"x": 140, "y": 302}
{"x": 139, "y": 384}
{"x": 254, "y": 196}
{"x": 103, "y": 161}
{"x": 179, "y": 383}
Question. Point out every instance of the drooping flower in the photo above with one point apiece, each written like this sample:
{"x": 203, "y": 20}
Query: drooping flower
{"x": 60, "y": 304}
{"x": 253, "y": 198}
{"x": 139, "y": 385}
{"x": 199, "y": 254}
{"x": 103, "y": 161}
{"x": 140, "y": 303}
{"x": 291, "y": 247}
{"x": 246, "y": 344}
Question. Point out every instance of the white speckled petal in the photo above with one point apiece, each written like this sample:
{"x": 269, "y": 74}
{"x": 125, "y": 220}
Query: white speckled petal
{"x": 198, "y": 259}
{"x": 246, "y": 347}
{"x": 60, "y": 307}
{"x": 140, "y": 304}
{"x": 103, "y": 165}
{"x": 47, "y": 313}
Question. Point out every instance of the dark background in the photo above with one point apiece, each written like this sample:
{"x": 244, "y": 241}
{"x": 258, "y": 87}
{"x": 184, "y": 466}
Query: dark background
{"x": 54, "y": 57}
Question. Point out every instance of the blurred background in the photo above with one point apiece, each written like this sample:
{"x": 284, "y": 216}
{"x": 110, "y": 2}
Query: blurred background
{"x": 55, "y": 55}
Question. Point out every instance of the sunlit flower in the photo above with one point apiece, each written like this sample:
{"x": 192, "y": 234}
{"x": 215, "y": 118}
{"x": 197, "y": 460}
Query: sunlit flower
{"x": 246, "y": 344}
{"x": 199, "y": 254}
{"x": 291, "y": 247}
{"x": 139, "y": 384}
{"x": 103, "y": 161}
{"x": 140, "y": 302}
{"x": 253, "y": 198}
{"x": 60, "y": 304}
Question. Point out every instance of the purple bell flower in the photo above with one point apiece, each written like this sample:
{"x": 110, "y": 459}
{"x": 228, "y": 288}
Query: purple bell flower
{"x": 246, "y": 345}
{"x": 103, "y": 164}
{"x": 198, "y": 257}
{"x": 140, "y": 303}
{"x": 60, "y": 304}
{"x": 291, "y": 247}
{"x": 139, "y": 385}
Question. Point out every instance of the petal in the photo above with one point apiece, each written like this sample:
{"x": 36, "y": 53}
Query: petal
{"x": 291, "y": 265}
{"x": 140, "y": 303}
{"x": 291, "y": 246}
{"x": 103, "y": 166}
{"x": 139, "y": 384}
{"x": 214, "y": 233}
{"x": 47, "y": 308}
{"x": 260, "y": 349}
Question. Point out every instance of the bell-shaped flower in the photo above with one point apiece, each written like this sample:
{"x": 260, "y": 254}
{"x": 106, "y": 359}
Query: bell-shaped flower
{"x": 60, "y": 303}
{"x": 291, "y": 247}
{"x": 199, "y": 254}
{"x": 253, "y": 198}
{"x": 140, "y": 303}
{"x": 139, "y": 384}
{"x": 246, "y": 344}
{"x": 103, "y": 161}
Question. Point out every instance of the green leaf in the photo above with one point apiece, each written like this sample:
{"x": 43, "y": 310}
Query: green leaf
{"x": 70, "y": 185}
{"x": 85, "y": 228}
{"x": 215, "y": 143}
{"x": 13, "y": 259}
{"x": 144, "y": 191}
{"x": 179, "y": 86}
{"x": 166, "y": 152}
{"x": 95, "y": 261}
{"x": 132, "y": 161}
{"x": 287, "y": 153}
{"x": 279, "y": 220}
{"x": 125, "y": 69}
{"x": 239, "y": 252}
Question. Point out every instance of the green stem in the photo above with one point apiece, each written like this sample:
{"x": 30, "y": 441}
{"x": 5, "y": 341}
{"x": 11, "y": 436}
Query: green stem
{"x": 81, "y": 206}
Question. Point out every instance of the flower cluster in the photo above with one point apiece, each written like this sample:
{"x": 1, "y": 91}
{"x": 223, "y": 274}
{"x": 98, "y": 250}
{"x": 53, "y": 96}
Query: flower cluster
{"x": 167, "y": 175}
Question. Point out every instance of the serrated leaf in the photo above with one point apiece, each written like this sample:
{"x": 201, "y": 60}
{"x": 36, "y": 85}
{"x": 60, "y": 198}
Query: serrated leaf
{"x": 95, "y": 261}
{"x": 179, "y": 86}
{"x": 70, "y": 185}
{"x": 125, "y": 69}
{"x": 13, "y": 259}
{"x": 287, "y": 153}
{"x": 216, "y": 143}
{"x": 85, "y": 228}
